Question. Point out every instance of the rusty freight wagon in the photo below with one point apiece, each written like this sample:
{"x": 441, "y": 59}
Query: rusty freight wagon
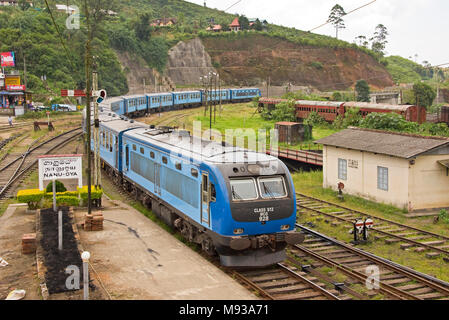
{"x": 330, "y": 110}
{"x": 444, "y": 115}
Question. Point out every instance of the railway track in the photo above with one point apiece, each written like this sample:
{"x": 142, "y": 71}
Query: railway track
{"x": 300, "y": 277}
{"x": 394, "y": 282}
{"x": 408, "y": 237}
{"x": 16, "y": 126}
{"x": 17, "y": 166}
{"x": 4, "y": 142}
{"x": 286, "y": 282}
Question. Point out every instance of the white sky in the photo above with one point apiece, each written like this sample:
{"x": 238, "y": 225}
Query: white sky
{"x": 415, "y": 26}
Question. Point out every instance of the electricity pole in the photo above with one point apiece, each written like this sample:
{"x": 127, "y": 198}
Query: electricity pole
{"x": 88, "y": 109}
{"x": 97, "y": 170}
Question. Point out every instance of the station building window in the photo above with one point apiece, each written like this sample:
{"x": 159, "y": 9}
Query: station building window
{"x": 342, "y": 169}
{"x": 382, "y": 178}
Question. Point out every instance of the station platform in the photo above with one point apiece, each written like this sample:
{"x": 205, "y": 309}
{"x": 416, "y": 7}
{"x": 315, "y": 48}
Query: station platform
{"x": 136, "y": 259}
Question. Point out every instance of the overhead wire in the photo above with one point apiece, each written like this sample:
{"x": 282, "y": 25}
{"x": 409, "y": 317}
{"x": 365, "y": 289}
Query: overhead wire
{"x": 60, "y": 37}
{"x": 327, "y": 22}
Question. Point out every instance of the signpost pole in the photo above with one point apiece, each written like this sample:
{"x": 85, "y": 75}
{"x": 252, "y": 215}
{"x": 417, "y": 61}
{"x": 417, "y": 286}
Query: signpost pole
{"x": 60, "y": 230}
{"x": 96, "y": 129}
{"x": 85, "y": 256}
{"x": 54, "y": 195}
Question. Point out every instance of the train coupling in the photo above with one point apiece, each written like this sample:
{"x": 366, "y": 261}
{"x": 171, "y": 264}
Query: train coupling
{"x": 294, "y": 237}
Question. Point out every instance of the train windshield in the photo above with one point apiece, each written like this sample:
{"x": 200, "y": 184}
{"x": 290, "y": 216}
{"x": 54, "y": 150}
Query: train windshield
{"x": 273, "y": 187}
{"x": 243, "y": 189}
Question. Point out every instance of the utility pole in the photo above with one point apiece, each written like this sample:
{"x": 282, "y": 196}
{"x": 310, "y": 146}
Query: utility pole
{"x": 97, "y": 170}
{"x": 216, "y": 97}
{"x": 88, "y": 109}
{"x": 210, "y": 107}
{"x": 24, "y": 71}
{"x": 219, "y": 89}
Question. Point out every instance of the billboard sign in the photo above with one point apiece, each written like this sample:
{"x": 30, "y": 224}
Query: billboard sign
{"x": 12, "y": 80}
{"x": 7, "y": 59}
{"x": 15, "y": 88}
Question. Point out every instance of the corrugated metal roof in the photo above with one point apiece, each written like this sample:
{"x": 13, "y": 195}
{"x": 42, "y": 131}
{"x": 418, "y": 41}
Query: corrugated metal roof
{"x": 378, "y": 106}
{"x": 319, "y": 103}
{"x": 388, "y": 143}
{"x": 286, "y": 123}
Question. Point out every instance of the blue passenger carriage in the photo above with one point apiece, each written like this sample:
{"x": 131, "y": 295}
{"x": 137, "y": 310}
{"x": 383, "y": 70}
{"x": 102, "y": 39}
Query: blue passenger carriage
{"x": 244, "y": 94}
{"x": 216, "y": 96}
{"x": 186, "y": 99}
{"x": 115, "y": 105}
{"x": 158, "y": 102}
{"x": 136, "y": 105}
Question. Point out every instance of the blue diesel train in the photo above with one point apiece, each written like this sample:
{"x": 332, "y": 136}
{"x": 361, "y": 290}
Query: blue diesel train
{"x": 139, "y": 105}
{"x": 236, "y": 203}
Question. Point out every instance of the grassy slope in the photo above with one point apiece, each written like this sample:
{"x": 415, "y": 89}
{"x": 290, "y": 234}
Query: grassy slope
{"x": 404, "y": 70}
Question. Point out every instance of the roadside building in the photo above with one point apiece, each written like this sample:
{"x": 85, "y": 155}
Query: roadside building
{"x": 235, "y": 25}
{"x": 215, "y": 28}
{"x": 14, "y": 99}
{"x": 405, "y": 170}
{"x": 164, "y": 22}
{"x": 66, "y": 9}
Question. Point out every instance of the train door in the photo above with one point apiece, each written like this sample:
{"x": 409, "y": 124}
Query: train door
{"x": 127, "y": 158}
{"x": 157, "y": 178}
{"x": 205, "y": 198}
{"x": 116, "y": 146}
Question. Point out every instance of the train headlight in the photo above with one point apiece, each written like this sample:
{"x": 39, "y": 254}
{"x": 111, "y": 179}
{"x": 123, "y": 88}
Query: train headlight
{"x": 285, "y": 227}
{"x": 238, "y": 231}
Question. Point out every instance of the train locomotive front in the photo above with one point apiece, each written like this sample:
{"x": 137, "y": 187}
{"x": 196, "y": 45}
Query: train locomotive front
{"x": 254, "y": 209}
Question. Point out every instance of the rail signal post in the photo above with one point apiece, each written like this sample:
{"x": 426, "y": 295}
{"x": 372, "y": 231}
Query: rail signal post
{"x": 99, "y": 96}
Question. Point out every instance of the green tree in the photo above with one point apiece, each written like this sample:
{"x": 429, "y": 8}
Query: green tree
{"x": 142, "y": 27}
{"x": 363, "y": 91}
{"x": 424, "y": 94}
{"x": 24, "y": 4}
{"x": 284, "y": 111}
{"x": 258, "y": 25}
{"x": 244, "y": 23}
{"x": 336, "y": 18}
{"x": 379, "y": 41}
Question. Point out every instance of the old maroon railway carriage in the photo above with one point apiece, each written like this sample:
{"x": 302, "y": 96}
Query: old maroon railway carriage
{"x": 329, "y": 110}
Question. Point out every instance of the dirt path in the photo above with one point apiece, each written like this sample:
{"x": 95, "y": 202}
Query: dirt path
{"x": 21, "y": 272}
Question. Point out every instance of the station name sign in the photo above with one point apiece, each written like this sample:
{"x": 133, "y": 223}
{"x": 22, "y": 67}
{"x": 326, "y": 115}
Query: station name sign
{"x": 60, "y": 167}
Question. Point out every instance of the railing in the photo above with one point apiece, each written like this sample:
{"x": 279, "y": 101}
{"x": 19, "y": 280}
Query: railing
{"x": 299, "y": 155}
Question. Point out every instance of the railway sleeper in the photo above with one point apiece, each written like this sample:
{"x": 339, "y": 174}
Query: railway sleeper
{"x": 293, "y": 288}
{"x": 269, "y": 278}
{"x": 278, "y": 284}
{"x": 396, "y": 281}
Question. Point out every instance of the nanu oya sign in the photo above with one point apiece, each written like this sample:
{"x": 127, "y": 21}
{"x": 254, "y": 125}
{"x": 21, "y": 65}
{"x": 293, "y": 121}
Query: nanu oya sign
{"x": 60, "y": 167}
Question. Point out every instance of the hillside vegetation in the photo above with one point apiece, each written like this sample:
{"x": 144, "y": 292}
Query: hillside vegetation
{"x": 406, "y": 71}
{"x": 31, "y": 33}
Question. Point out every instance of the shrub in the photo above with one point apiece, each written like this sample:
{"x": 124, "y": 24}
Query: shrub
{"x": 49, "y": 195}
{"x": 96, "y": 193}
{"x": 444, "y": 216}
{"x": 284, "y": 111}
{"x": 317, "y": 65}
{"x": 32, "y": 197}
{"x": 67, "y": 201}
{"x": 59, "y": 187}
{"x": 314, "y": 119}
